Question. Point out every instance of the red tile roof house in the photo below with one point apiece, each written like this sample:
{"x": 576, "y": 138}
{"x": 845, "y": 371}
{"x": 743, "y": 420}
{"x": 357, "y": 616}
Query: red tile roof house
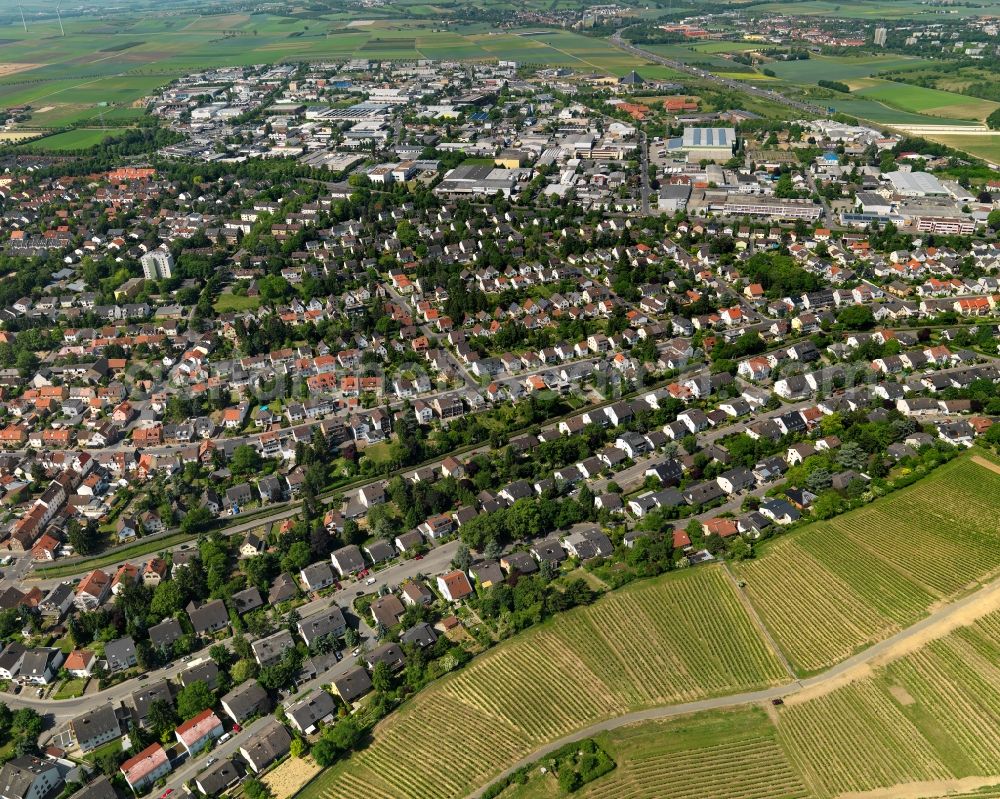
{"x": 93, "y": 590}
{"x": 80, "y": 662}
{"x": 146, "y": 767}
{"x": 195, "y": 734}
{"x": 721, "y": 527}
{"x": 454, "y": 586}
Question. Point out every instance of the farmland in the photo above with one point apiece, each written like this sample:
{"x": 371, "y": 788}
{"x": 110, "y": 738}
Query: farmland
{"x": 869, "y": 573}
{"x": 912, "y": 726}
{"x": 677, "y": 638}
{"x": 984, "y": 146}
{"x": 708, "y": 756}
{"x": 933, "y": 102}
{"x": 78, "y": 139}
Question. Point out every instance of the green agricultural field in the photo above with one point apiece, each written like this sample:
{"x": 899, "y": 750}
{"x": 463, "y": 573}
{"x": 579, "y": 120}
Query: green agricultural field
{"x": 842, "y": 68}
{"x": 986, "y": 147}
{"x": 78, "y": 139}
{"x": 913, "y": 726}
{"x": 714, "y": 755}
{"x": 867, "y": 574}
{"x": 105, "y": 66}
{"x": 874, "y": 11}
{"x": 933, "y": 102}
{"x": 681, "y": 637}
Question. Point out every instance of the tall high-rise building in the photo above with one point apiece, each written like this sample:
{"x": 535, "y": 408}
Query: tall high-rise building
{"x": 880, "y": 34}
{"x": 157, "y": 264}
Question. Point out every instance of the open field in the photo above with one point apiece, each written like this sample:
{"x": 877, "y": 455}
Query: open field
{"x": 934, "y": 102}
{"x": 874, "y": 11}
{"x": 681, "y": 637}
{"x": 289, "y": 777}
{"x": 78, "y": 139}
{"x": 867, "y": 574}
{"x": 842, "y": 68}
{"x": 119, "y": 61}
{"x": 986, "y": 147}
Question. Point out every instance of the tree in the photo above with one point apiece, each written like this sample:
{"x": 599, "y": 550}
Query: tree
{"x": 221, "y": 655}
{"x": 245, "y": 461}
{"x": 857, "y": 317}
{"x": 463, "y": 558}
{"x": 382, "y": 678}
{"x": 195, "y": 520}
{"x": 168, "y": 599}
{"x": 162, "y": 718}
{"x": 993, "y": 120}
{"x": 255, "y": 789}
{"x": 193, "y": 699}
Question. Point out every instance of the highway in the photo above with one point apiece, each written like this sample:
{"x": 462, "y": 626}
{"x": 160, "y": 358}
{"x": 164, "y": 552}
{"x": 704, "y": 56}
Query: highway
{"x": 735, "y": 85}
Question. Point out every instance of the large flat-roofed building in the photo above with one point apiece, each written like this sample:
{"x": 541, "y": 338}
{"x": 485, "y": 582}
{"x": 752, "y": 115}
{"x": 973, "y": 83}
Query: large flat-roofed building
{"x": 706, "y": 144}
{"x": 915, "y": 184}
{"x": 772, "y": 208}
{"x": 471, "y": 179}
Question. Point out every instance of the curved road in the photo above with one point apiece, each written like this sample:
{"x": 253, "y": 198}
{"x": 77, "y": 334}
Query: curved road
{"x": 829, "y": 678}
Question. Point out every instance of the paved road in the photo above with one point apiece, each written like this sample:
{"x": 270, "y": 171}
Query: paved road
{"x": 938, "y": 619}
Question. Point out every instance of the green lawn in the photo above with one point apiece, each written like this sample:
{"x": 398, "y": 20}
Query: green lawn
{"x": 70, "y": 689}
{"x": 227, "y": 303}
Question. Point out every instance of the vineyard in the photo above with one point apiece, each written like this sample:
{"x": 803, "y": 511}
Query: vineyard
{"x": 723, "y": 754}
{"x": 681, "y": 637}
{"x": 927, "y": 716}
{"x": 753, "y": 768}
{"x": 867, "y": 574}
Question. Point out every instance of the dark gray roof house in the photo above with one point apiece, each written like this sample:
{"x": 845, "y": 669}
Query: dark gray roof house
{"x": 548, "y": 549}
{"x": 245, "y": 700}
{"x": 210, "y": 617}
{"x": 120, "y": 654}
{"x": 270, "y": 744}
{"x": 164, "y": 634}
{"x": 101, "y": 788}
{"x": 206, "y": 672}
{"x": 347, "y": 560}
{"x": 701, "y": 493}
{"x": 268, "y": 651}
{"x": 282, "y": 589}
{"x": 353, "y": 684}
{"x": 217, "y": 778}
{"x": 143, "y": 699}
{"x": 246, "y": 600}
{"x": 390, "y": 654}
{"x": 421, "y": 635}
{"x": 328, "y": 622}
{"x": 307, "y": 713}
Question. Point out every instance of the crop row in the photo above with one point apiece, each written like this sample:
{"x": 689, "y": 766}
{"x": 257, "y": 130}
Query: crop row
{"x": 815, "y": 616}
{"x": 879, "y": 583}
{"x": 751, "y": 769}
{"x": 856, "y": 739}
